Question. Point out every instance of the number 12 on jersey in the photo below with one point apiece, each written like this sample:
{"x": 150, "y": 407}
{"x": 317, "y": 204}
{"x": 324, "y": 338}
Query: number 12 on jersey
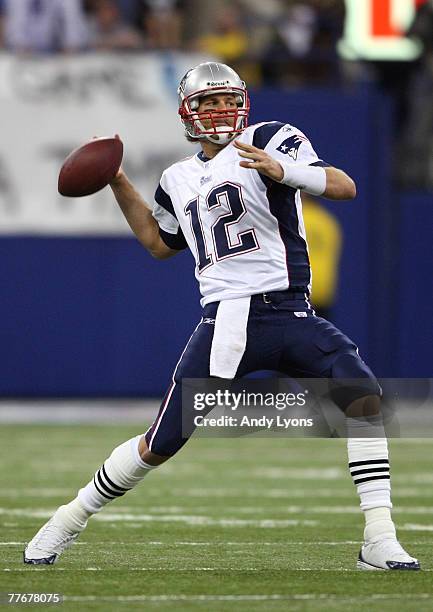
{"x": 228, "y": 197}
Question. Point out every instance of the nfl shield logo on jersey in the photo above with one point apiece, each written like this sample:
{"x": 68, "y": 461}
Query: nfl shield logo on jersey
{"x": 291, "y": 145}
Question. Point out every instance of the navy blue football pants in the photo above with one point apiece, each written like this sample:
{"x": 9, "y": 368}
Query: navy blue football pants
{"x": 277, "y": 339}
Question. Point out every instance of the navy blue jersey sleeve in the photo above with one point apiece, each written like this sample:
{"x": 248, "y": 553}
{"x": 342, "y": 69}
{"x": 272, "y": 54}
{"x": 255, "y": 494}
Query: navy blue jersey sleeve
{"x": 174, "y": 241}
{"x": 264, "y": 133}
{"x": 165, "y": 215}
{"x": 164, "y": 201}
{"x": 321, "y": 164}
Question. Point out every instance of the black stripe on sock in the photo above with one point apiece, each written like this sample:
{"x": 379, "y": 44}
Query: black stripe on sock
{"x": 101, "y": 492}
{"x": 370, "y": 471}
{"x": 110, "y": 482}
{"x": 369, "y": 462}
{"x": 107, "y": 489}
{"x": 368, "y": 478}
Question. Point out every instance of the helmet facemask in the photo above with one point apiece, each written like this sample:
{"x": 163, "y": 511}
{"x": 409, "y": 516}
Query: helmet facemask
{"x": 236, "y": 119}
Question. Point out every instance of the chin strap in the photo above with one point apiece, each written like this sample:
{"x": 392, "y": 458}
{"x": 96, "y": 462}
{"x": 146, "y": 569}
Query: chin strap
{"x": 222, "y": 138}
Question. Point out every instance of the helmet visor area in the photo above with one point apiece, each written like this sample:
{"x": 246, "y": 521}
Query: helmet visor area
{"x": 215, "y": 121}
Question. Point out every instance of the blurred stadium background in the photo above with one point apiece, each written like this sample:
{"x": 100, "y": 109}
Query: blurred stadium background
{"x": 85, "y": 312}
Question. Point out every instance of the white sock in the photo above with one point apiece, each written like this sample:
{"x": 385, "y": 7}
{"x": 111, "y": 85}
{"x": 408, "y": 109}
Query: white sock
{"x": 367, "y": 450}
{"x": 378, "y": 525}
{"x": 73, "y": 516}
{"x": 123, "y": 469}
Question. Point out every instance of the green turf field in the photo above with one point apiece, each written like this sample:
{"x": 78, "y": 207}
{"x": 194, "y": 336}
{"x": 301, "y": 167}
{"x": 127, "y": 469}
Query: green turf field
{"x": 229, "y": 524}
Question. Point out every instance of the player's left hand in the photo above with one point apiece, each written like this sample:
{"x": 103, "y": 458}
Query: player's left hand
{"x": 260, "y": 161}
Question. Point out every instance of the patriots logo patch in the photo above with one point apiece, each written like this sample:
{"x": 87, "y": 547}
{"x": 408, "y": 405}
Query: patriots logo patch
{"x": 291, "y": 145}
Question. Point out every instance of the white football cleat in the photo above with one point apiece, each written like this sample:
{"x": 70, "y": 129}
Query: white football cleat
{"x": 385, "y": 554}
{"x": 49, "y": 542}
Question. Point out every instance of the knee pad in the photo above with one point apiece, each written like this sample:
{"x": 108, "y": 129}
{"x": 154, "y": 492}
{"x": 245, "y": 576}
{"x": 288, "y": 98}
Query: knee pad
{"x": 167, "y": 447}
{"x": 352, "y": 379}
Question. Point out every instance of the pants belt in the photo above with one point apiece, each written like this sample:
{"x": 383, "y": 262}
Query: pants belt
{"x": 275, "y": 297}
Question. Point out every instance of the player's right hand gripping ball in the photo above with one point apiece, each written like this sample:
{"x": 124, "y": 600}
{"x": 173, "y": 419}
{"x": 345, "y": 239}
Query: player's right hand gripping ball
{"x": 90, "y": 167}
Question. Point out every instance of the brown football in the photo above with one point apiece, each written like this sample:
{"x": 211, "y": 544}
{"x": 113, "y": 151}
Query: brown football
{"x": 90, "y": 167}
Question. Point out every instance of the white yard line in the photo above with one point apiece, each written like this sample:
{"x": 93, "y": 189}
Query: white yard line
{"x": 307, "y": 509}
{"x": 198, "y": 569}
{"x": 413, "y": 479}
{"x": 36, "y": 492}
{"x": 183, "y": 543}
{"x": 398, "y": 509}
{"x": 40, "y": 513}
{"x": 28, "y": 569}
{"x": 283, "y": 544}
{"x": 111, "y": 517}
{"x": 289, "y": 493}
{"x": 212, "y": 493}
{"x": 204, "y": 520}
{"x": 136, "y": 543}
{"x": 179, "y": 514}
{"x": 304, "y": 473}
{"x": 426, "y": 440}
{"x": 415, "y": 527}
{"x": 75, "y": 544}
{"x": 269, "y": 597}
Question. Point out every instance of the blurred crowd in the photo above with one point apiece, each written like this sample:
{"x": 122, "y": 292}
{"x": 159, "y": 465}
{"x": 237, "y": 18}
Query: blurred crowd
{"x": 258, "y": 38}
{"x": 272, "y": 42}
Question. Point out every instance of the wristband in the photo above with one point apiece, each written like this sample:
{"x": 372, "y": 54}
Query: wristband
{"x": 311, "y": 179}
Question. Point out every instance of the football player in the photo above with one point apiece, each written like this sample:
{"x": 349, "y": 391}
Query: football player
{"x": 237, "y": 205}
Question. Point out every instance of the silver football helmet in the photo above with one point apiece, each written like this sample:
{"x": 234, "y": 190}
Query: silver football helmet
{"x": 204, "y": 80}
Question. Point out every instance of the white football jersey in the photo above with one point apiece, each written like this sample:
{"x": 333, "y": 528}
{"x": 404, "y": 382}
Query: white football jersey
{"x": 245, "y": 231}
